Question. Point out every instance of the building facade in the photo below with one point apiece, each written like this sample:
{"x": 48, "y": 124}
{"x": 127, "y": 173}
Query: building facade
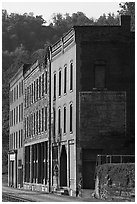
{"x": 16, "y": 115}
{"x": 36, "y": 133}
{"x": 78, "y": 103}
{"x": 92, "y": 100}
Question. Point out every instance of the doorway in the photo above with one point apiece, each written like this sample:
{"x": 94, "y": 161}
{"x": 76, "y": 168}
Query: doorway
{"x": 63, "y": 167}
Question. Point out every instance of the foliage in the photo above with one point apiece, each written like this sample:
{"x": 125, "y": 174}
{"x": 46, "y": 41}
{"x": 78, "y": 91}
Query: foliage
{"x": 111, "y": 19}
{"x": 120, "y": 174}
{"x": 128, "y": 8}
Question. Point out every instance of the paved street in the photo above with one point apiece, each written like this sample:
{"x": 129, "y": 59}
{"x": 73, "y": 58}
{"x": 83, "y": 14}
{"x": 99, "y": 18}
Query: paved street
{"x": 44, "y": 197}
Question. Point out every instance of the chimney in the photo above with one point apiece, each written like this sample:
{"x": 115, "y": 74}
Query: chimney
{"x": 125, "y": 22}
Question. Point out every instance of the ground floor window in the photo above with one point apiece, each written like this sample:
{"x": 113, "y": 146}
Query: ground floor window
{"x": 36, "y": 163}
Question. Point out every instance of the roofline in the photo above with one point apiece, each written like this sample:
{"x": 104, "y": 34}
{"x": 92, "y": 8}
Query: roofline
{"x": 19, "y": 70}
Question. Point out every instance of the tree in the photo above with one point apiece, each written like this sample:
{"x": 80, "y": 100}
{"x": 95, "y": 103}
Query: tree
{"x": 128, "y": 8}
{"x": 110, "y": 19}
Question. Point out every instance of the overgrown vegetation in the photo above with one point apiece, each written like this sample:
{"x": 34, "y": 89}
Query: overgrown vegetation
{"x": 116, "y": 180}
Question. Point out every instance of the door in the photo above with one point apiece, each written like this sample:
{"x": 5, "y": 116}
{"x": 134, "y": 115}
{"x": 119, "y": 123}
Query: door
{"x": 88, "y": 167}
{"x": 63, "y": 167}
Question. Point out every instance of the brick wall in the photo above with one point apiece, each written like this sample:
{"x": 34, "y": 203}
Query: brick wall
{"x": 102, "y": 120}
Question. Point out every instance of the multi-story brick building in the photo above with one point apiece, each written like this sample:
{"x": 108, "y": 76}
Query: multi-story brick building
{"x": 78, "y": 103}
{"x": 15, "y": 155}
{"x": 92, "y": 100}
{"x": 36, "y": 131}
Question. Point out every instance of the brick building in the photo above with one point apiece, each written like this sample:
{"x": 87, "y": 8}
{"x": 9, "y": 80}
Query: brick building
{"x": 36, "y": 131}
{"x": 15, "y": 155}
{"x": 78, "y": 103}
{"x": 92, "y": 100}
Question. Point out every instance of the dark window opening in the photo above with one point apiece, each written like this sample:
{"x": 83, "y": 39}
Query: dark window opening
{"x": 60, "y": 83}
{"x": 59, "y": 121}
{"x": 65, "y": 79}
{"x": 99, "y": 76}
{"x": 54, "y": 86}
{"x": 71, "y": 76}
{"x": 71, "y": 118}
{"x": 64, "y": 119}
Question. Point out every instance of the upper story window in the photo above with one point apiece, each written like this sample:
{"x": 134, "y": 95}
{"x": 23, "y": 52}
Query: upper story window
{"x": 59, "y": 121}
{"x": 71, "y": 117}
{"x": 17, "y": 92}
{"x": 30, "y": 95}
{"x": 46, "y": 118}
{"x": 71, "y": 75}
{"x": 54, "y": 121}
{"x": 54, "y": 86}
{"x": 14, "y": 94}
{"x": 65, "y": 114}
{"x": 42, "y": 85}
{"x": 65, "y": 79}
{"x": 37, "y": 89}
{"x": 34, "y": 91}
{"x": 25, "y": 98}
{"x": 59, "y": 82}
{"x": 42, "y": 122}
{"x": 100, "y": 74}
{"x": 22, "y": 88}
{"x": 46, "y": 81}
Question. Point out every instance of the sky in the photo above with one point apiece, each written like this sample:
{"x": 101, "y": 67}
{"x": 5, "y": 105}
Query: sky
{"x": 46, "y": 9}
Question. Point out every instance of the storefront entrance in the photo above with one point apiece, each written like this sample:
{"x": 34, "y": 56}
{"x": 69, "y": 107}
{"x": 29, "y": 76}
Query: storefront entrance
{"x": 63, "y": 167}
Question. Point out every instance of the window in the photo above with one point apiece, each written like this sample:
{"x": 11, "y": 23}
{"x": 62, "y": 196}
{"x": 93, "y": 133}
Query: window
{"x": 42, "y": 123}
{"x": 21, "y": 111}
{"x": 59, "y": 121}
{"x": 60, "y": 83}
{"x": 42, "y": 84}
{"x": 22, "y": 87}
{"x": 14, "y": 94}
{"x": 45, "y": 118}
{"x": 46, "y": 81}
{"x": 40, "y": 87}
{"x": 64, "y": 119}
{"x": 25, "y": 98}
{"x": 12, "y": 118}
{"x": 16, "y": 114}
{"x": 32, "y": 93}
{"x": 17, "y": 92}
{"x": 34, "y": 124}
{"x": 100, "y": 76}
{"x": 54, "y": 86}
{"x": 71, "y": 118}
{"x": 16, "y": 141}
{"x": 25, "y": 121}
{"x": 37, "y": 88}
{"x": 31, "y": 125}
{"x": 39, "y": 121}
{"x": 65, "y": 79}
{"x": 71, "y": 76}
{"x": 54, "y": 121}
{"x": 19, "y": 139}
{"x": 27, "y": 126}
